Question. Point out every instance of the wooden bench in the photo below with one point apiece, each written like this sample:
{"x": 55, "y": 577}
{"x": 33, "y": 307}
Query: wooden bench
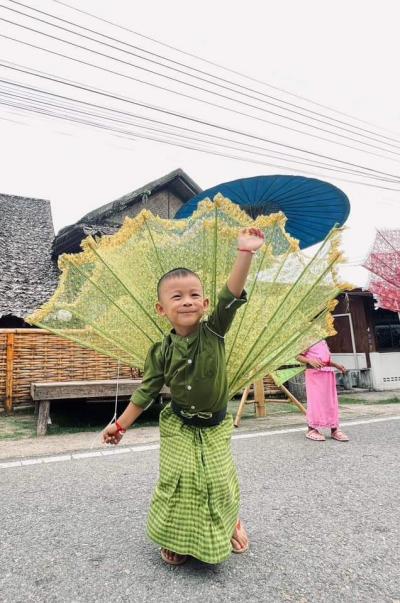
{"x": 43, "y": 393}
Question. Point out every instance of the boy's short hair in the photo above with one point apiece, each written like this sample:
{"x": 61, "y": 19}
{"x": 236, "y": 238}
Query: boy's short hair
{"x": 175, "y": 272}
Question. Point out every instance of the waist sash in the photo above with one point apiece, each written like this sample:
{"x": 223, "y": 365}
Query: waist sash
{"x": 199, "y": 419}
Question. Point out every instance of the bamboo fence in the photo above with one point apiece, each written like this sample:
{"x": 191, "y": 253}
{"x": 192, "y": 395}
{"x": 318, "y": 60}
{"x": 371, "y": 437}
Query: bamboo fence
{"x": 33, "y": 355}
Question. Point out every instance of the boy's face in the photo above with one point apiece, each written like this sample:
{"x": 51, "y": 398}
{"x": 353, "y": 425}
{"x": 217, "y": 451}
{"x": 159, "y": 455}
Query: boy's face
{"x": 181, "y": 300}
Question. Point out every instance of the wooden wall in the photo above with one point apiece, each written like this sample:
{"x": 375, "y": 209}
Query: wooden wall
{"x": 361, "y": 306}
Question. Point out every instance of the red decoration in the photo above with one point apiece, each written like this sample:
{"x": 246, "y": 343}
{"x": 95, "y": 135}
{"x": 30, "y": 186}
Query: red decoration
{"x": 384, "y": 265}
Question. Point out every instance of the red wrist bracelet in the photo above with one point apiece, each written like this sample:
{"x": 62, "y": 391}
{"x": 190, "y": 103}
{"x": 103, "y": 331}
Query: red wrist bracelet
{"x": 246, "y": 250}
{"x": 119, "y": 427}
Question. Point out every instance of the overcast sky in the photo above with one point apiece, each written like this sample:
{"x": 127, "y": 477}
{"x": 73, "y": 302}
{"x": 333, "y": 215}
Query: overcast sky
{"x": 341, "y": 54}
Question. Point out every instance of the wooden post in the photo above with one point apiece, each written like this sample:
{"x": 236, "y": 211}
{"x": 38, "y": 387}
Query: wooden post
{"x": 43, "y": 417}
{"x": 241, "y": 406}
{"x": 293, "y": 399}
{"x": 259, "y": 398}
{"x": 9, "y": 373}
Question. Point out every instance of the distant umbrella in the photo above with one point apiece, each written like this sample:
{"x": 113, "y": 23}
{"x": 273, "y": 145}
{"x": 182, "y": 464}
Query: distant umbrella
{"x": 312, "y": 207}
{"x": 383, "y": 263}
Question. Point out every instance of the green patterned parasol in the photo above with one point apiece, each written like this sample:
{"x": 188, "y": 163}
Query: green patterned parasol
{"x": 106, "y": 296}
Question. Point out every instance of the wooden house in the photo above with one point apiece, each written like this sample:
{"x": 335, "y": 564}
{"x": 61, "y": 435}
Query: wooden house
{"x": 367, "y": 341}
{"x": 163, "y": 197}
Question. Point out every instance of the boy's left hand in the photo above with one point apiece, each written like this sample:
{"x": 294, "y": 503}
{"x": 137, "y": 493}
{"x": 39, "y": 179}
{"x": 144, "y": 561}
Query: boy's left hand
{"x": 250, "y": 239}
{"x": 111, "y": 435}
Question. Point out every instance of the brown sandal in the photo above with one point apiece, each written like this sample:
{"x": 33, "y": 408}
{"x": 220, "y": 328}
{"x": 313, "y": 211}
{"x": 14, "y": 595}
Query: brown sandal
{"x": 181, "y": 561}
{"x": 244, "y": 548}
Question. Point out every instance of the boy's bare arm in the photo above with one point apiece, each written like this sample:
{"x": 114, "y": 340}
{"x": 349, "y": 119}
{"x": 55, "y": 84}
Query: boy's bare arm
{"x": 249, "y": 240}
{"x": 111, "y": 435}
{"x": 130, "y": 414}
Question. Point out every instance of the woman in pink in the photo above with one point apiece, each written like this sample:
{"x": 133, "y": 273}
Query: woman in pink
{"x": 322, "y": 400}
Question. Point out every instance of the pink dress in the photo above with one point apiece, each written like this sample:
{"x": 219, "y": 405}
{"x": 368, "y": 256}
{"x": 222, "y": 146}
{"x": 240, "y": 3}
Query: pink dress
{"x": 322, "y": 400}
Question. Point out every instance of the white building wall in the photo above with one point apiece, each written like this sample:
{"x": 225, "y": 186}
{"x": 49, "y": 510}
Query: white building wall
{"x": 385, "y": 370}
{"x": 349, "y": 360}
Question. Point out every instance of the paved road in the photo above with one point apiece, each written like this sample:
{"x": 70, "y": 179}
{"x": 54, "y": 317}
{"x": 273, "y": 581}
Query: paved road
{"x": 323, "y": 520}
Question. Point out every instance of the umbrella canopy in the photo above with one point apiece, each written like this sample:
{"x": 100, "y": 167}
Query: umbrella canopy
{"x": 106, "y": 295}
{"x": 384, "y": 264}
{"x": 312, "y": 207}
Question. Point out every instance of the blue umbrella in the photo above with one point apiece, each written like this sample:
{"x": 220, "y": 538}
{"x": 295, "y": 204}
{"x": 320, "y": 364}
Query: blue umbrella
{"x": 312, "y": 207}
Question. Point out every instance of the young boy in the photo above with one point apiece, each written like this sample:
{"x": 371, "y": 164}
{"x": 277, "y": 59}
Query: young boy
{"x": 195, "y": 506}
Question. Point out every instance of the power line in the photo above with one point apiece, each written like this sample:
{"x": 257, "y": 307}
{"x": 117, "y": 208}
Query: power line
{"x": 64, "y": 107}
{"x": 185, "y": 117}
{"x": 186, "y": 146}
{"x": 218, "y": 65}
{"x": 96, "y": 91}
{"x": 202, "y": 79}
{"x": 201, "y": 89}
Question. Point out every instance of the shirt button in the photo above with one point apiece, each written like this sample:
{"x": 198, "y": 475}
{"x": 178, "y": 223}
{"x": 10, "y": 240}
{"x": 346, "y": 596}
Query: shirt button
{"x": 192, "y": 407}
{"x": 189, "y": 387}
{"x": 190, "y": 361}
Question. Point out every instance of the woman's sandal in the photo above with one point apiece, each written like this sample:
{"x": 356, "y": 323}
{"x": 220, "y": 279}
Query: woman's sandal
{"x": 339, "y": 436}
{"x": 180, "y": 559}
{"x": 246, "y": 546}
{"x": 314, "y": 435}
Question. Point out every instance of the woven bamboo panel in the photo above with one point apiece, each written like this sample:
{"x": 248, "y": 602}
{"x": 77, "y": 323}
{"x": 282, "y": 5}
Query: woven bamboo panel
{"x": 3, "y": 341}
{"x": 40, "y": 357}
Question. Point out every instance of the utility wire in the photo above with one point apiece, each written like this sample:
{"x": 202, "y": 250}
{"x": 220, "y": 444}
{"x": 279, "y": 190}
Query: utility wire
{"x": 29, "y": 108}
{"x": 202, "y": 79}
{"x": 199, "y": 88}
{"x": 218, "y": 65}
{"x": 70, "y": 100}
{"x": 235, "y": 157}
{"x": 96, "y": 91}
{"x": 106, "y": 118}
{"x": 123, "y": 75}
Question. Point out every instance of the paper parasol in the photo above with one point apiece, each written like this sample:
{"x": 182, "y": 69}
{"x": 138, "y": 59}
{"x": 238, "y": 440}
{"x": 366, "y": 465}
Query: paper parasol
{"x": 312, "y": 207}
{"x": 106, "y": 295}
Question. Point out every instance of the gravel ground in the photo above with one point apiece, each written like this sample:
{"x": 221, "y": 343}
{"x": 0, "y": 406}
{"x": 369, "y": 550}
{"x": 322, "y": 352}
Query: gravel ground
{"x": 323, "y": 521}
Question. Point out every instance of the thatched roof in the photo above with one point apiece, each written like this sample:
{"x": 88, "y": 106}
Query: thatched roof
{"x": 100, "y": 221}
{"x": 28, "y": 276}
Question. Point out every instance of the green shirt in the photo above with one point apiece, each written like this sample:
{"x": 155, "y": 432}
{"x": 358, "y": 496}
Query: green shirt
{"x": 193, "y": 367}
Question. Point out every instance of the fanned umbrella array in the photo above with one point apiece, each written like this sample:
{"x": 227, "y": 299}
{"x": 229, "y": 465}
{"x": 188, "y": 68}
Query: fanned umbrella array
{"x": 383, "y": 263}
{"x": 106, "y": 296}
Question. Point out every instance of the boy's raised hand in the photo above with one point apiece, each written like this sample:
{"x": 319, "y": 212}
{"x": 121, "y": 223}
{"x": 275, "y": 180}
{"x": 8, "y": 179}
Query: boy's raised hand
{"x": 250, "y": 239}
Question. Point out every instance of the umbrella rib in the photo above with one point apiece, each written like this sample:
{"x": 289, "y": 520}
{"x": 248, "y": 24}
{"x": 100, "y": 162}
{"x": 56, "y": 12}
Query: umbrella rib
{"x": 244, "y": 366}
{"x": 126, "y": 289}
{"x": 262, "y": 371}
{"x": 250, "y": 295}
{"x": 101, "y": 332}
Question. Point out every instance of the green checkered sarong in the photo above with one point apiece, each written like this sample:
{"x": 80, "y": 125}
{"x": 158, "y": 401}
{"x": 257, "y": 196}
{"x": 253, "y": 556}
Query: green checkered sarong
{"x": 196, "y": 501}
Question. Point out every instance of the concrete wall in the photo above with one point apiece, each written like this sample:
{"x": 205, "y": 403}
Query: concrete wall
{"x": 385, "y": 370}
{"x": 349, "y": 361}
